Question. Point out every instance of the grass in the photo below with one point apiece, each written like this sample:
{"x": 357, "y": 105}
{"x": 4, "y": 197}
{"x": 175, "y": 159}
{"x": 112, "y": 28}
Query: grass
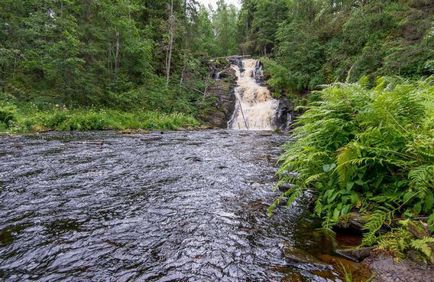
{"x": 29, "y": 119}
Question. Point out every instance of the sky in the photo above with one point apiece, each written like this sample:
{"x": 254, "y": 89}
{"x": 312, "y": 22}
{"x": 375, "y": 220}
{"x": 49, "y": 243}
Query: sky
{"x": 213, "y": 2}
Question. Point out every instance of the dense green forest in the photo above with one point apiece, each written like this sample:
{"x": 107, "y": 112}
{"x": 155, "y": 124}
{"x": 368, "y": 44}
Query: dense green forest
{"x": 320, "y": 42}
{"x": 362, "y": 69}
{"x": 152, "y": 55}
{"x": 118, "y": 55}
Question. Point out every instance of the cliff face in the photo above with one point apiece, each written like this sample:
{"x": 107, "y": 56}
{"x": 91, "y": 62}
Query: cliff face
{"x": 220, "y": 94}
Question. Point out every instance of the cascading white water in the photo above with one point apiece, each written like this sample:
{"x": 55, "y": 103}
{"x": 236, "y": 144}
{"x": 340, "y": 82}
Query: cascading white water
{"x": 255, "y": 107}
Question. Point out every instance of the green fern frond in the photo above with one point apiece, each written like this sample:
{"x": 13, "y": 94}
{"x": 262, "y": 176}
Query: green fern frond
{"x": 423, "y": 246}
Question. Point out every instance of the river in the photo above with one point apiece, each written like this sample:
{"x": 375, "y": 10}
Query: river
{"x": 173, "y": 206}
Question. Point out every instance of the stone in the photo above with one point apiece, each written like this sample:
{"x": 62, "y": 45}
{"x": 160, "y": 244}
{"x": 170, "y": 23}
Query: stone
{"x": 357, "y": 271}
{"x": 297, "y": 255}
{"x": 355, "y": 254}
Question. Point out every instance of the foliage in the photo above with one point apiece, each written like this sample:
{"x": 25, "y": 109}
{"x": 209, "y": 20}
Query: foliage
{"x": 365, "y": 149}
{"x": 322, "y": 41}
{"x": 225, "y": 26}
{"x": 276, "y": 75}
{"x": 30, "y": 119}
{"x": 400, "y": 241}
{"x": 110, "y": 54}
{"x": 7, "y": 115}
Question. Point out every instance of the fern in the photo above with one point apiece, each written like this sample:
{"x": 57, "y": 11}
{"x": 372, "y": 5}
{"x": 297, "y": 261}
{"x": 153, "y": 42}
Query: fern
{"x": 375, "y": 221}
{"x": 422, "y": 245}
{"x": 370, "y": 149}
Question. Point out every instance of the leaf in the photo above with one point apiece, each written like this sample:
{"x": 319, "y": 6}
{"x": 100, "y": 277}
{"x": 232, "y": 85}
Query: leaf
{"x": 408, "y": 196}
{"x": 417, "y": 208}
{"x": 354, "y": 197}
{"x": 429, "y": 201}
{"x": 329, "y": 167}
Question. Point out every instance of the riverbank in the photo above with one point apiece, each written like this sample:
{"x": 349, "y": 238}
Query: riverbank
{"x": 386, "y": 269}
{"x": 27, "y": 119}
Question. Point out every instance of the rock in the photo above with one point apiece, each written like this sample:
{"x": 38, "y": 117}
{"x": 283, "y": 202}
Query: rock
{"x": 265, "y": 133}
{"x": 285, "y": 187}
{"x": 299, "y": 256}
{"x": 284, "y": 116}
{"x": 355, "y": 254}
{"x": 293, "y": 277}
{"x": 194, "y": 159}
{"x": 222, "y": 101}
{"x": 357, "y": 271}
{"x": 355, "y": 222}
{"x": 418, "y": 229}
{"x": 226, "y": 73}
{"x": 388, "y": 270}
{"x": 134, "y": 131}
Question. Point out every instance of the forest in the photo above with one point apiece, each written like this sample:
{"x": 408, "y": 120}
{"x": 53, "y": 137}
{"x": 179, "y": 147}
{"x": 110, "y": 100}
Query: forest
{"x": 359, "y": 75}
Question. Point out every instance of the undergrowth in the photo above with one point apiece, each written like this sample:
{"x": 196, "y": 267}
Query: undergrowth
{"x": 30, "y": 119}
{"x": 365, "y": 150}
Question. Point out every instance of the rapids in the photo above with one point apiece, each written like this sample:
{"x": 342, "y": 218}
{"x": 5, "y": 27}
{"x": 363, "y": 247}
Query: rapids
{"x": 255, "y": 108}
{"x": 178, "y": 206}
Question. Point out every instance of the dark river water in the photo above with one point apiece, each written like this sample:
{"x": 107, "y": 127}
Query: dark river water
{"x": 178, "y": 206}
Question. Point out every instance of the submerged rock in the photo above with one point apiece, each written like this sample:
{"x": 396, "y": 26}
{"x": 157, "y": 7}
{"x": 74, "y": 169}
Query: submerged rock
{"x": 297, "y": 255}
{"x": 346, "y": 268}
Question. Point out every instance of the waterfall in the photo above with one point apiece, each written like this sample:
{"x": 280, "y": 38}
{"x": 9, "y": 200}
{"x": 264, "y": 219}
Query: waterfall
{"x": 255, "y": 108}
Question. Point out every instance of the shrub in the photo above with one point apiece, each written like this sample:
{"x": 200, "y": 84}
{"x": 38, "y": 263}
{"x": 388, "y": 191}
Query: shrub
{"x": 7, "y": 114}
{"x": 88, "y": 119}
{"x": 365, "y": 150}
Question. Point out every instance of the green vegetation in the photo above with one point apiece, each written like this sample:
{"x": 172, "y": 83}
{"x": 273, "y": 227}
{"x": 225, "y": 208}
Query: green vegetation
{"x": 408, "y": 236}
{"x": 33, "y": 120}
{"x": 317, "y": 42}
{"x": 109, "y": 56}
{"x": 366, "y": 150}
{"x": 367, "y": 146}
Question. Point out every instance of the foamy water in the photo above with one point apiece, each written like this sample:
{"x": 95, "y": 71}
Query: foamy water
{"x": 255, "y": 107}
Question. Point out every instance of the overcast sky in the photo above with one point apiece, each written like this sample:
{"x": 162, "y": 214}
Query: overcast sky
{"x": 213, "y": 2}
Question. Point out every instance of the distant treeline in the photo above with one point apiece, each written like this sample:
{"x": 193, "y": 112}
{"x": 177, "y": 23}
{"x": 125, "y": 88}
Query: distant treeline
{"x": 316, "y": 42}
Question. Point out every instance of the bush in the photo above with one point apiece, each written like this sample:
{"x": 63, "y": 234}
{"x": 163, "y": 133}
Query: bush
{"x": 31, "y": 120}
{"x": 7, "y": 114}
{"x": 365, "y": 150}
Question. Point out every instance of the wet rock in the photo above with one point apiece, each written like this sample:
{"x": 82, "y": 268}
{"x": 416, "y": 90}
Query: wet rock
{"x": 293, "y": 277}
{"x": 285, "y": 187}
{"x": 355, "y": 254}
{"x": 226, "y": 73}
{"x": 152, "y": 138}
{"x": 388, "y": 270}
{"x": 194, "y": 159}
{"x": 284, "y": 116}
{"x": 357, "y": 271}
{"x": 265, "y": 133}
{"x": 220, "y": 95}
{"x": 354, "y": 222}
{"x": 134, "y": 131}
{"x": 297, "y": 255}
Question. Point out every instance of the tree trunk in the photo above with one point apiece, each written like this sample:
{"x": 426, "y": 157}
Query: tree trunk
{"x": 117, "y": 59}
{"x": 171, "y": 36}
